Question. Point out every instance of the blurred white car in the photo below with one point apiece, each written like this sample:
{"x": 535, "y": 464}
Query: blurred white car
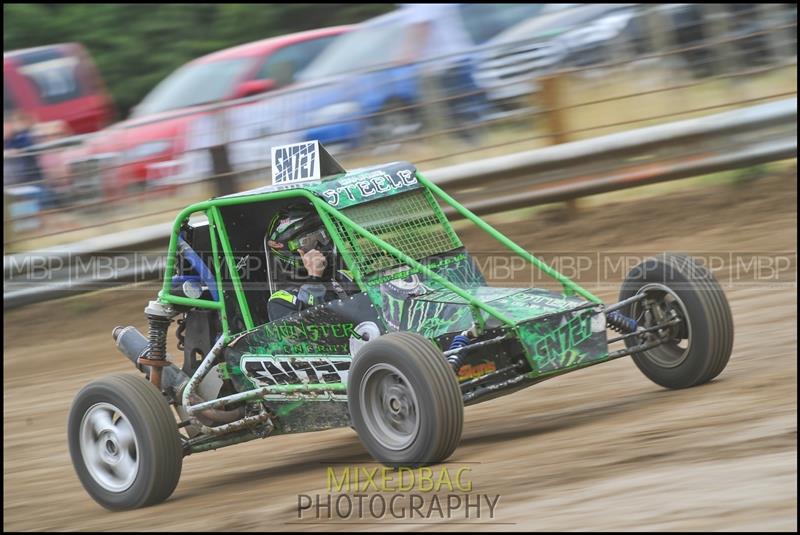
{"x": 562, "y": 34}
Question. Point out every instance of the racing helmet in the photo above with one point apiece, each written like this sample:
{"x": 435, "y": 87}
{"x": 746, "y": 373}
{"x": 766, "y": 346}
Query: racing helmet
{"x": 294, "y": 228}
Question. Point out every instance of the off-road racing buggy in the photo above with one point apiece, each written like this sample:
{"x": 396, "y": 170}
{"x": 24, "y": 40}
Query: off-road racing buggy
{"x": 397, "y": 360}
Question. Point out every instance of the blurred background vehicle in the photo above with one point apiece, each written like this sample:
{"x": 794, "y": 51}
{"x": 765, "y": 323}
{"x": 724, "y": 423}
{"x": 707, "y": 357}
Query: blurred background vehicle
{"x": 149, "y": 143}
{"x": 508, "y": 67}
{"x": 56, "y": 82}
{"x": 579, "y": 35}
{"x": 699, "y": 30}
{"x": 368, "y": 86}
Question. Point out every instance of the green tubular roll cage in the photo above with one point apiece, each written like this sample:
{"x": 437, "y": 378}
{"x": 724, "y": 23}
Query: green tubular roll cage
{"x": 327, "y": 213}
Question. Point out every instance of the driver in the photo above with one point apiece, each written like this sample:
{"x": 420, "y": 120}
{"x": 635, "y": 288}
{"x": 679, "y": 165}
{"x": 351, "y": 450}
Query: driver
{"x": 299, "y": 241}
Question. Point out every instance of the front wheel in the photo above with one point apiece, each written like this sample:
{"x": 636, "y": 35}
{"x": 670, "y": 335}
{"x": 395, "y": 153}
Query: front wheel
{"x": 405, "y": 401}
{"x": 124, "y": 442}
{"x": 697, "y": 344}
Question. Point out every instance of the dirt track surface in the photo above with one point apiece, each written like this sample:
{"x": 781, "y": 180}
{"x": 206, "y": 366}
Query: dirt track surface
{"x": 599, "y": 449}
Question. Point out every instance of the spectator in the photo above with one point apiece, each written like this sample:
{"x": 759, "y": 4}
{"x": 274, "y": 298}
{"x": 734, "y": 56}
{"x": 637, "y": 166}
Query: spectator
{"x": 9, "y": 164}
{"x": 53, "y": 165}
{"x": 17, "y": 137}
{"x": 25, "y": 164}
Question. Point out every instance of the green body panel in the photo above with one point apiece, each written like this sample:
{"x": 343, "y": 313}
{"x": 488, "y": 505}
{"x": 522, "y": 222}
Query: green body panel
{"x": 330, "y": 329}
{"x": 369, "y": 184}
{"x": 519, "y": 304}
{"x": 555, "y": 331}
{"x": 564, "y": 341}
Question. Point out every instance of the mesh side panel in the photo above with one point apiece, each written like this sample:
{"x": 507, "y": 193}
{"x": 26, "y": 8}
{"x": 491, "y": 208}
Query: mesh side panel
{"x": 411, "y": 222}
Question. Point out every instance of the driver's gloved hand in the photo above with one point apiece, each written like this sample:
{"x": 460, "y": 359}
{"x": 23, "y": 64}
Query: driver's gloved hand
{"x": 285, "y": 302}
{"x": 312, "y": 293}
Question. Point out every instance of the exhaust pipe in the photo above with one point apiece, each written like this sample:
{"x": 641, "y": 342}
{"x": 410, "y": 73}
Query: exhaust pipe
{"x": 133, "y": 345}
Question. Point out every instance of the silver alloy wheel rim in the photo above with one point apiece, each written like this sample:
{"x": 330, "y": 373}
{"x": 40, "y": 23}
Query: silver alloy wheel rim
{"x": 389, "y": 406}
{"x": 109, "y": 447}
{"x": 672, "y": 353}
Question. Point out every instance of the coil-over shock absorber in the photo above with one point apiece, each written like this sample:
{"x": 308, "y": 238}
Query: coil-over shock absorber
{"x": 619, "y": 322}
{"x": 455, "y": 359}
{"x": 159, "y": 317}
{"x": 453, "y": 355}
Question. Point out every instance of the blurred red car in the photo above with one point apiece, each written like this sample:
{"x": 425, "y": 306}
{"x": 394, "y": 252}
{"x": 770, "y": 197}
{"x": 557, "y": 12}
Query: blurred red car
{"x": 56, "y": 82}
{"x": 146, "y": 146}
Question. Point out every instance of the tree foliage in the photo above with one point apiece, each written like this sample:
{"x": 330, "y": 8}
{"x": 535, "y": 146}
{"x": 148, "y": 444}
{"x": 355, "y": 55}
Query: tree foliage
{"x": 137, "y": 45}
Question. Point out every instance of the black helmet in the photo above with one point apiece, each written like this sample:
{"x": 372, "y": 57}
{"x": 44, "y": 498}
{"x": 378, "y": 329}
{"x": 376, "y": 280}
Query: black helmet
{"x": 294, "y": 228}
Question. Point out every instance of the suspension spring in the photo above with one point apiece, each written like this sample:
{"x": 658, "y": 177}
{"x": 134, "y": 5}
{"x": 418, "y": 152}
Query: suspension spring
{"x": 459, "y": 341}
{"x": 158, "y": 317}
{"x": 157, "y": 336}
{"x": 619, "y": 322}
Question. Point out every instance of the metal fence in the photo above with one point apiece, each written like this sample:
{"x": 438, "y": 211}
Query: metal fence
{"x": 659, "y": 64}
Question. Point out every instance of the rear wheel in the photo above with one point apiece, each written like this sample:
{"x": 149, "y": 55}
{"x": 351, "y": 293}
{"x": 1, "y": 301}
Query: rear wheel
{"x": 698, "y": 344}
{"x": 405, "y": 401}
{"x": 124, "y": 442}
